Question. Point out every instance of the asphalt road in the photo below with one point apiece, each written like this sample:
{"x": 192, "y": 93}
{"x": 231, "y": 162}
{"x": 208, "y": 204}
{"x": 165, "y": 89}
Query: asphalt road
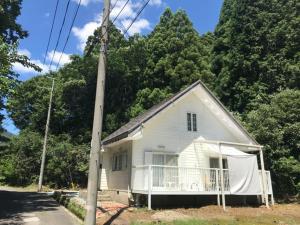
{"x": 31, "y": 208}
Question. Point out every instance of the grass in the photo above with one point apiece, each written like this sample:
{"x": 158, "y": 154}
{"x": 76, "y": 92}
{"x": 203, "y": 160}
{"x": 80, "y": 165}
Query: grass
{"x": 177, "y": 222}
{"x": 72, "y": 206}
{"x": 262, "y": 220}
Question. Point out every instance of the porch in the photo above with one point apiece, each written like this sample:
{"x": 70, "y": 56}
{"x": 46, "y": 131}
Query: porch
{"x": 172, "y": 180}
{"x": 166, "y": 176}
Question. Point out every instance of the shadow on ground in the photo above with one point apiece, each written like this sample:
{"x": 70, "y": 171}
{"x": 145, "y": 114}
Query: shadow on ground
{"x": 111, "y": 215}
{"x": 15, "y": 204}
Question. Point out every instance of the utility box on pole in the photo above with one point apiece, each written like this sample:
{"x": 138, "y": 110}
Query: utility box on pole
{"x": 94, "y": 164}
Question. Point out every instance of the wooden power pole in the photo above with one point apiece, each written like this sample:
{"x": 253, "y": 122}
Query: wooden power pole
{"x": 94, "y": 165}
{"x": 45, "y": 140}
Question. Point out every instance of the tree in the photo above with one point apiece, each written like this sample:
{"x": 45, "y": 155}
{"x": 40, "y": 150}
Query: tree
{"x": 256, "y": 51}
{"x": 66, "y": 163}
{"x": 177, "y": 54}
{"x": 21, "y": 165}
{"x": 176, "y": 57}
{"x": 276, "y": 125}
{"x": 10, "y": 33}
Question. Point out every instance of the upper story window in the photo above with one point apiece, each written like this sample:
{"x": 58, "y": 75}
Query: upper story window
{"x": 191, "y": 121}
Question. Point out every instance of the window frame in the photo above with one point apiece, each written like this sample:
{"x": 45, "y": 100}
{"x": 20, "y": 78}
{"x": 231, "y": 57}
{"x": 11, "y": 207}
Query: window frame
{"x": 120, "y": 161}
{"x": 191, "y": 120}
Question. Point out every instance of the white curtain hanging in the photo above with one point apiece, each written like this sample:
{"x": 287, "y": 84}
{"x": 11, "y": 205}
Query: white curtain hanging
{"x": 243, "y": 169}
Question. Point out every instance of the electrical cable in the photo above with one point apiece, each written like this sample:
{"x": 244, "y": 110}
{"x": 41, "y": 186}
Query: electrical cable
{"x": 60, "y": 31}
{"x": 70, "y": 30}
{"x": 132, "y": 22}
{"x": 49, "y": 39}
{"x": 96, "y": 39}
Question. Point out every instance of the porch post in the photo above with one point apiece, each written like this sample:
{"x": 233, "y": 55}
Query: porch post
{"x": 263, "y": 173}
{"x": 218, "y": 187}
{"x": 222, "y": 176}
{"x": 272, "y": 196}
{"x": 149, "y": 186}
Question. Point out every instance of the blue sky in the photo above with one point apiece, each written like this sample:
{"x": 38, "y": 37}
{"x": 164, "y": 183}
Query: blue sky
{"x": 36, "y": 17}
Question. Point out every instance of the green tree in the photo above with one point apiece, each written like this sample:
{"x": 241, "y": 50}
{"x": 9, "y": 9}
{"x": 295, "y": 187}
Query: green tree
{"x": 21, "y": 165}
{"x": 177, "y": 55}
{"x": 256, "y": 51}
{"x": 66, "y": 163}
{"x": 277, "y": 126}
{"x": 10, "y": 33}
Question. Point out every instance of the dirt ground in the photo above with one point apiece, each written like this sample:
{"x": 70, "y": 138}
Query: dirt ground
{"x": 281, "y": 214}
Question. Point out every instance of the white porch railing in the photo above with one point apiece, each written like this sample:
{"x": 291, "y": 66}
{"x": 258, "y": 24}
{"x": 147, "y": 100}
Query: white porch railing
{"x": 168, "y": 179}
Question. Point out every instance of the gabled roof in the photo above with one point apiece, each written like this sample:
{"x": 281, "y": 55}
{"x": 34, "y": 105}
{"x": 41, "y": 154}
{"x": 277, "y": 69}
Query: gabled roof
{"x": 136, "y": 122}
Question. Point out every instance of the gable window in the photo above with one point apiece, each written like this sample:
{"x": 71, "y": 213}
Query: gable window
{"x": 191, "y": 121}
{"x": 194, "y": 122}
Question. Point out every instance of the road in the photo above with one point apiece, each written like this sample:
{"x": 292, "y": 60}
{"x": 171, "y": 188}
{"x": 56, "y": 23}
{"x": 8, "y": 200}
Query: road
{"x": 31, "y": 208}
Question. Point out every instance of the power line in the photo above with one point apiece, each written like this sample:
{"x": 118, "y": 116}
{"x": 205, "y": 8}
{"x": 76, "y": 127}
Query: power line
{"x": 53, "y": 21}
{"x": 95, "y": 39}
{"x": 137, "y": 15}
{"x": 120, "y": 11}
{"x": 62, "y": 25}
{"x": 66, "y": 42}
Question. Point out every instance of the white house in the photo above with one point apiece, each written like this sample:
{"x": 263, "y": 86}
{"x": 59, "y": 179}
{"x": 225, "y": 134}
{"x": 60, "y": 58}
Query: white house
{"x": 186, "y": 145}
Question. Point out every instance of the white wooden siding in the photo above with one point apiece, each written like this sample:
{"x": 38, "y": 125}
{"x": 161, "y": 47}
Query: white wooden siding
{"x": 119, "y": 180}
{"x": 167, "y": 132}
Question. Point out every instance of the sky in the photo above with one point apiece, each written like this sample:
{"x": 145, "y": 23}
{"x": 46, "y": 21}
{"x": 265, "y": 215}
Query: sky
{"x": 36, "y": 17}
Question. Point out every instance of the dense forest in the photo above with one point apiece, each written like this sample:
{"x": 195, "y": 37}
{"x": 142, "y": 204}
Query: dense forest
{"x": 251, "y": 62}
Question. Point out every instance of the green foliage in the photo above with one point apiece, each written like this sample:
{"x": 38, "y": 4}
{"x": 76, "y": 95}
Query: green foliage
{"x": 70, "y": 204}
{"x": 21, "y": 165}
{"x": 277, "y": 126}
{"x": 10, "y": 33}
{"x": 178, "y": 56}
{"x": 256, "y": 51}
{"x": 252, "y": 56}
{"x": 72, "y": 170}
{"x": 66, "y": 163}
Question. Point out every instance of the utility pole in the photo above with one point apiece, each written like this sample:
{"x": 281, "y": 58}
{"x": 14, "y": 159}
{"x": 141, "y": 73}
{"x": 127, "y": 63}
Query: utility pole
{"x": 91, "y": 203}
{"x": 45, "y": 139}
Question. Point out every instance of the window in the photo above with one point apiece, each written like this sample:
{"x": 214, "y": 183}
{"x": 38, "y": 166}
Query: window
{"x": 214, "y": 163}
{"x": 191, "y": 121}
{"x": 194, "y": 122}
{"x": 119, "y": 161}
{"x": 163, "y": 176}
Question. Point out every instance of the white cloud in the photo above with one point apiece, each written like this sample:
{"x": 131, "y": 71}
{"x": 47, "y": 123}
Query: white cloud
{"x": 155, "y": 2}
{"x": 86, "y": 2}
{"x": 83, "y": 33}
{"x": 65, "y": 58}
{"x": 137, "y": 26}
{"x": 128, "y": 10}
{"x": 19, "y": 68}
{"x": 122, "y": 22}
{"x": 24, "y": 52}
